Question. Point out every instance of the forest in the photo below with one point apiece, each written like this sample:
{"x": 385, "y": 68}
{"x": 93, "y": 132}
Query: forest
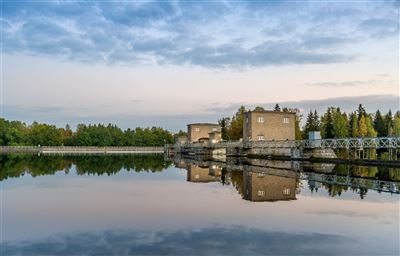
{"x": 334, "y": 123}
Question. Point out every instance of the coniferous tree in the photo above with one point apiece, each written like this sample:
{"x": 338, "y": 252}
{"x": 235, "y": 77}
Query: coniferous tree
{"x": 389, "y": 123}
{"x": 277, "y": 108}
{"x": 379, "y": 124}
{"x": 327, "y": 124}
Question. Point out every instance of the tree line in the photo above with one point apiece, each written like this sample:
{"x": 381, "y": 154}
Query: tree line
{"x": 16, "y": 133}
{"x": 335, "y": 123}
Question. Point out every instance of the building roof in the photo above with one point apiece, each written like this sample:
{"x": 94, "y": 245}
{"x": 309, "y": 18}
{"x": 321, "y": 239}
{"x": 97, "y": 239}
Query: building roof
{"x": 270, "y": 111}
{"x": 203, "y": 124}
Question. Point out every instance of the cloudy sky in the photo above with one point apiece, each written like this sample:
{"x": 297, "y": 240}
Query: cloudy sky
{"x": 140, "y": 63}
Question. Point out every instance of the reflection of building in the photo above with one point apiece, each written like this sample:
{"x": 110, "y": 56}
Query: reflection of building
{"x": 268, "y": 125}
{"x": 259, "y": 186}
{"x": 200, "y": 132}
{"x": 198, "y": 173}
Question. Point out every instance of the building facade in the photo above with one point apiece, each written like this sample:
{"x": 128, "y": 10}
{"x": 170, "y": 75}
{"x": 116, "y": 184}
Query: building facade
{"x": 268, "y": 125}
{"x": 199, "y": 132}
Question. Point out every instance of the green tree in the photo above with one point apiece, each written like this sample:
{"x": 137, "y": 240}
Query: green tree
{"x": 362, "y": 126}
{"x": 340, "y": 124}
{"x": 389, "y": 123}
{"x": 235, "y": 131}
{"x": 353, "y": 125}
{"x": 277, "y": 108}
{"x": 224, "y": 123}
{"x": 379, "y": 124}
{"x": 327, "y": 124}
{"x": 396, "y": 124}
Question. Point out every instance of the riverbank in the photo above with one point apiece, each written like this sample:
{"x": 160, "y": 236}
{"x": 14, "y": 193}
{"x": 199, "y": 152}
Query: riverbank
{"x": 80, "y": 150}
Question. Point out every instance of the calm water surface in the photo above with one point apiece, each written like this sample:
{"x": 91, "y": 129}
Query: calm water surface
{"x": 149, "y": 205}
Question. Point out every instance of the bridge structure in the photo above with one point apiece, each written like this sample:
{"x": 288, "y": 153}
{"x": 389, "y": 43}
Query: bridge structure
{"x": 319, "y": 148}
{"x": 347, "y": 143}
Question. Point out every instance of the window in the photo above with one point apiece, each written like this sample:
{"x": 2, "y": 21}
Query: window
{"x": 261, "y": 193}
{"x": 247, "y": 120}
{"x": 260, "y": 174}
{"x": 197, "y": 129}
{"x": 214, "y": 129}
{"x": 260, "y": 119}
{"x": 197, "y": 176}
{"x": 286, "y": 120}
{"x": 286, "y": 191}
{"x": 260, "y": 137}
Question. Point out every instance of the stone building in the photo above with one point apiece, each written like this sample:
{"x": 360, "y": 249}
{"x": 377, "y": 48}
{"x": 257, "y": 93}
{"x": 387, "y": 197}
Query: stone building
{"x": 215, "y": 137}
{"x": 259, "y": 186}
{"x": 268, "y": 125}
{"x": 199, "y": 132}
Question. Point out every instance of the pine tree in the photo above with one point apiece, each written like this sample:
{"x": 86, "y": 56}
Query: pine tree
{"x": 277, "y": 108}
{"x": 327, "y": 124}
{"x": 379, "y": 124}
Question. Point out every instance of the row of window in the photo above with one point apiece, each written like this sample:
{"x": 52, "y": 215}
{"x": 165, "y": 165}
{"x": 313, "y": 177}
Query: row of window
{"x": 260, "y": 119}
{"x": 285, "y": 191}
{"x": 197, "y": 129}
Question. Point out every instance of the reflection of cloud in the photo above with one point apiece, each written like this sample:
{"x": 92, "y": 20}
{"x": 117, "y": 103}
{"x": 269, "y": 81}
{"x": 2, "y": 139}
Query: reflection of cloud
{"x": 208, "y": 241}
{"x": 350, "y": 214}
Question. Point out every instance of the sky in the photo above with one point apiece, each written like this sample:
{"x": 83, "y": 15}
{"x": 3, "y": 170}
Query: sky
{"x": 169, "y": 63}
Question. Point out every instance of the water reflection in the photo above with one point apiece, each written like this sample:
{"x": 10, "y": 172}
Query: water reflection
{"x": 260, "y": 180}
{"x": 148, "y": 204}
{"x": 231, "y": 240}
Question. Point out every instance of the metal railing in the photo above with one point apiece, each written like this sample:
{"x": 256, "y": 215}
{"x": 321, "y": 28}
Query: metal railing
{"x": 348, "y": 143}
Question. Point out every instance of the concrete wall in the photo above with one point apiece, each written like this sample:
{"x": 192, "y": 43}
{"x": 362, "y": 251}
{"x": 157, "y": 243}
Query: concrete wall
{"x": 273, "y": 127}
{"x": 81, "y": 150}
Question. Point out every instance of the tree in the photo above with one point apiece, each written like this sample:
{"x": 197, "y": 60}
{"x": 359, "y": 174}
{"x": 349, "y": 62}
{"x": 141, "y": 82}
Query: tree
{"x": 235, "y": 131}
{"x": 224, "y": 123}
{"x": 312, "y": 123}
{"x": 389, "y": 123}
{"x": 396, "y": 124}
{"x": 340, "y": 124}
{"x": 379, "y": 124}
{"x": 362, "y": 126}
{"x": 353, "y": 125}
{"x": 327, "y": 124}
{"x": 259, "y": 109}
{"x": 361, "y": 111}
{"x": 277, "y": 108}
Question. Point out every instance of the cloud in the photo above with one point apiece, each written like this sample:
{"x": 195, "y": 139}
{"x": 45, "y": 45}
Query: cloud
{"x": 211, "y": 113}
{"x": 380, "y": 27}
{"x": 211, "y": 35}
{"x": 352, "y": 83}
{"x": 348, "y": 104}
{"x": 207, "y": 241}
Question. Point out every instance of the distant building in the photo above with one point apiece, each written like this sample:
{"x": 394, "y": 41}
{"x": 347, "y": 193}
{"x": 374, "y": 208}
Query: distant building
{"x": 268, "y": 125}
{"x": 182, "y": 139}
{"x": 259, "y": 186}
{"x": 215, "y": 137}
{"x": 199, "y": 132}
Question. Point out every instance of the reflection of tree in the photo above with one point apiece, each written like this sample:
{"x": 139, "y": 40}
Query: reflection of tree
{"x": 237, "y": 180}
{"x": 15, "y": 165}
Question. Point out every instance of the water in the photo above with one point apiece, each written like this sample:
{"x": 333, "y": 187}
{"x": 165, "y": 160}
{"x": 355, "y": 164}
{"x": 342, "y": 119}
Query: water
{"x": 149, "y": 205}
